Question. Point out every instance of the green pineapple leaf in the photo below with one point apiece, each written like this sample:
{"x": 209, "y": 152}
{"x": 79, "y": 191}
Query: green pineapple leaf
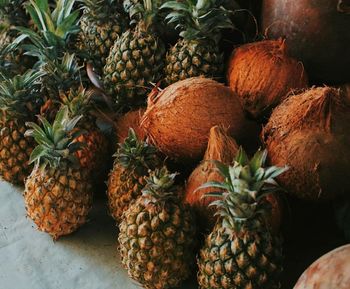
{"x": 19, "y": 95}
{"x": 198, "y": 19}
{"x": 137, "y": 154}
{"x": 56, "y": 142}
{"x": 242, "y": 199}
{"x": 160, "y": 184}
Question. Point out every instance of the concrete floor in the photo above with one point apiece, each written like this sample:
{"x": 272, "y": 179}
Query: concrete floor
{"x": 29, "y": 259}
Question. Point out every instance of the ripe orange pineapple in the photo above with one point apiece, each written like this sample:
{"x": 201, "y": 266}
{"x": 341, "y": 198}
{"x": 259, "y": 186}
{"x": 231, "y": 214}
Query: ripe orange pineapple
{"x": 93, "y": 155}
{"x": 58, "y": 193}
{"x": 18, "y": 97}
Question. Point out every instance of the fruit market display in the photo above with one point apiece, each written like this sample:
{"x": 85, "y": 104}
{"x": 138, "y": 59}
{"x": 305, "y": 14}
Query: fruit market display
{"x": 225, "y": 156}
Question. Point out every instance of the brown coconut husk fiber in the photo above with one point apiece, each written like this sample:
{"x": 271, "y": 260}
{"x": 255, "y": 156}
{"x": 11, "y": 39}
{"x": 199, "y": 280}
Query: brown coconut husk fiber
{"x": 178, "y": 120}
{"x": 223, "y": 148}
{"x": 310, "y": 132}
{"x": 130, "y": 120}
{"x": 262, "y": 74}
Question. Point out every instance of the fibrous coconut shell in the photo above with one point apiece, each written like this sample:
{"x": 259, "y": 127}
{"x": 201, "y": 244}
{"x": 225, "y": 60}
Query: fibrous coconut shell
{"x": 310, "y": 133}
{"x": 177, "y": 121}
{"x": 331, "y": 271}
{"x": 223, "y": 148}
{"x": 317, "y": 33}
{"x": 346, "y": 89}
{"x": 130, "y": 120}
{"x": 262, "y": 73}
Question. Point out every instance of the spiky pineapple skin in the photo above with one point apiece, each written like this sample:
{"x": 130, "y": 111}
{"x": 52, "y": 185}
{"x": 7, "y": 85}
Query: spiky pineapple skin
{"x": 15, "y": 150}
{"x": 97, "y": 37}
{"x": 135, "y": 60}
{"x": 58, "y": 200}
{"x": 245, "y": 260}
{"x": 93, "y": 156}
{"x": 156, "y": 243}
{"x": 193, "y": 58}
{"x": 124, "y": 186}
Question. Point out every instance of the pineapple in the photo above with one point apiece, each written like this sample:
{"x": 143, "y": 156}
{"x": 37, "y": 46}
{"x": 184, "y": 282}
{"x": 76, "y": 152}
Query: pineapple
{"x": 197, "y": 52}
{"x": 157, "y": 235}
{"x": 63, "y": 83}
{"x": 93, "y": 155}
{"x": 101, "y": 24}
{"x": 58, "y": 193}
{"x": 135, "y": 60}
{"x": 132, "y": 161}
{"x": 241, "y": 251}
{"x": 63, "y": 75}
{"x": 18, "y": 104}
{"x": 12, "y": 14}
{"x": 8, "y": 65}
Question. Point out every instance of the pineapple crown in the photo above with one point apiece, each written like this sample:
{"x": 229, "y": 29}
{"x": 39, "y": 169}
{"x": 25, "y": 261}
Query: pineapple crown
{"x": 54, "y": 28}
{"x": 78, "y": 101}
{"x": 148, "y": 10}
{"x": 160, "y": 184}
{"x": 135, "y": 154}
{"x": 242, "y": 199}
{"x": 62, "y": 73}
{"x": 13, "y": 12}
{"x": 198, "y": 19}
{"x": 7, "y": 67}
{"x": 18, "y": 95}
{"x": 100, "y": 9}
{"x": 56, "y": 142}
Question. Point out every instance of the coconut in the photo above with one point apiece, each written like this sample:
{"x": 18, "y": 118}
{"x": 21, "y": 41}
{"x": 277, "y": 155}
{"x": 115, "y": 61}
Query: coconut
{"x": 178, "y": 120}
{"x": 346, "y": 89}
{"x": 310, "y": 133}
{"x": 317, "y": 33}
{"x": 130, "y": 120}
{"x": 223, "y": 148}
{"x": 262, "y": 73}
{"x": 331, "y": 271}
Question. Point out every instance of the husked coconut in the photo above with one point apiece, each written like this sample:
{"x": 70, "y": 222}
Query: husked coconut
{"x": 317, "y": 33}
{"x": 310, "y": 133}
{"x": 223, "y": 148}
{"x": 262, "y": 74}
{"x": 130, "y": 120}
{"x": 331, "y": 271}
{"x": 178, "y": 120}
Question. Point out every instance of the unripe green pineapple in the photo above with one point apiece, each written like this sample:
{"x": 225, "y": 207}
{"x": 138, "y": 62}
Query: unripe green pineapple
{"x": 101, "y": 24}
{"x": 58, "y": 192}
{"x": 241, "y": 252}
{"x": 136, "y": 60}
{"x": 19, "y": 102}
{"x": 157, "y": 235}
{"x": 127, "y": 179}
{"x": 197, "y": 53}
